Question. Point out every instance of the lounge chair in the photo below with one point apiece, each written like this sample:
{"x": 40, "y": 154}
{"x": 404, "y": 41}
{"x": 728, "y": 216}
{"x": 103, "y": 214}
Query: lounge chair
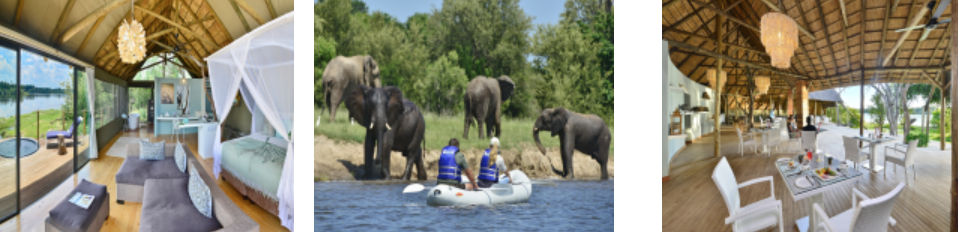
{"x": 68, "y": 134}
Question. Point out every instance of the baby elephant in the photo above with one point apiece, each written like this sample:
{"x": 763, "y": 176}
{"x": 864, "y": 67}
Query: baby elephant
{"x": 586, "y": 133}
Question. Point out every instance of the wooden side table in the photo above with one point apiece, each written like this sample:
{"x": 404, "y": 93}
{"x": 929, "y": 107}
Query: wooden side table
{"x": 62, "y": 146}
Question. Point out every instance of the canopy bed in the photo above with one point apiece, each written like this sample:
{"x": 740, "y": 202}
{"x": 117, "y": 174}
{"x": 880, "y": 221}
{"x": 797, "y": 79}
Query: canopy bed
{"x": 259, "y": 66}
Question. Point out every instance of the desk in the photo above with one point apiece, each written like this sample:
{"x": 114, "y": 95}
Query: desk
{"x": 205, "y": 135}
{"x": 173, "y": 121}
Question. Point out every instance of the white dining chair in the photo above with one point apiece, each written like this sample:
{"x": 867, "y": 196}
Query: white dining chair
{"x": 759, "y": 215}
{"x": 907, "y": 161}
{"x": 797, "y": 139}
{"x": 744, "y": 138}
{"x": 774, "y": 140}
{"x": 871, "y": 214}
{"x": 810, "y": 141}
{"x": 853, "y": 152}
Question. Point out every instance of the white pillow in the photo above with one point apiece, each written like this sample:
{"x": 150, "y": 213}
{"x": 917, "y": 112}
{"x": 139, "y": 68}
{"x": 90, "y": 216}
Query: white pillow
{"x": 200, "y": 194}
{"x": 152, "y": 151}
{"x": 179, "y": 155}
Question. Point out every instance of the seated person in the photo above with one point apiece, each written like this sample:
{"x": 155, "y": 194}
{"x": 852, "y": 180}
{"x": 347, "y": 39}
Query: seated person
{"x": 489, "y": 170}
{"x": 792, "y": 129}
{"x": 452, "y": 163}
{"x": 809, "y": 126}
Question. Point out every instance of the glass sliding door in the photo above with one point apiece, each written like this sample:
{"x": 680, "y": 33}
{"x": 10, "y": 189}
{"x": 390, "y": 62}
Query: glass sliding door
{"x": 82, "y": 116}
{"x": 47, "y": 125}
{"x": 9, "y": 193}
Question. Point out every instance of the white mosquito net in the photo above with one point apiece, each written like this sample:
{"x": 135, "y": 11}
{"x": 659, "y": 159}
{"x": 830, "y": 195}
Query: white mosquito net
{"x": 260, "y": 66}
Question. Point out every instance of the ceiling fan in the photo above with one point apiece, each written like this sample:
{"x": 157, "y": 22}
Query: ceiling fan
{"x": 933, "y": 23}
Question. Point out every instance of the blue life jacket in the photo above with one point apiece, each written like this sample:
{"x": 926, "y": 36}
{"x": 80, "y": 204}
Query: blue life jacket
{"x": 488, "y": 173}
{"x": 448, "y": 168}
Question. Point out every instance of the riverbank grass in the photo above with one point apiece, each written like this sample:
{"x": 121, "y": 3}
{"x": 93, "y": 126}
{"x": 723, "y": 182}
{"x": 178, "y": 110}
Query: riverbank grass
{"x": 28, "y": 124}
{"x": 439, "y": 129}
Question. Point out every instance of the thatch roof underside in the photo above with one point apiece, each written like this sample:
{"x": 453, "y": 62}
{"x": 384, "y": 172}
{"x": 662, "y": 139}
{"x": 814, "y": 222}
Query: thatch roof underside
{"x": 87, "y": 29}
{"x": 836, "y": 56}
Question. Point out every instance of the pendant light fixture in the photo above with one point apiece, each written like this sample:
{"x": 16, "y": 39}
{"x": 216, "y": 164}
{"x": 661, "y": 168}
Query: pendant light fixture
{"x": 131, "y": 40}
{"x": 780, "y": 37}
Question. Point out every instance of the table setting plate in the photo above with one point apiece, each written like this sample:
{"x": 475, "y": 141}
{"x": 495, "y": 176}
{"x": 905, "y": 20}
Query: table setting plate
{"x": 802, "y": 182}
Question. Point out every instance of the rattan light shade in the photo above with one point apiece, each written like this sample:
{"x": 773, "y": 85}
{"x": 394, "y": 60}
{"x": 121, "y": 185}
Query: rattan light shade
{"x": 710, "y": 74}
{"x": 780, "y": 37}
{"x": 762, "y": 83}
{"x": 131, "y": 42}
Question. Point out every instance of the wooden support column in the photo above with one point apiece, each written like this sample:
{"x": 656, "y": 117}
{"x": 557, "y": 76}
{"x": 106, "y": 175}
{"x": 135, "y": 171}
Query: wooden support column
{"x": 861, "y": 108}
{"x": 791, "y": 102}
{"x": 717, "y": 89}
{"x": 801, "y": 92}
{"x": 954, "y": 118}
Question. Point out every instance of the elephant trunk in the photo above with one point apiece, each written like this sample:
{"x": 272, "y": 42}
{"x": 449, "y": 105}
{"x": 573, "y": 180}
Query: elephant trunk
{"x": 535, "y": 135}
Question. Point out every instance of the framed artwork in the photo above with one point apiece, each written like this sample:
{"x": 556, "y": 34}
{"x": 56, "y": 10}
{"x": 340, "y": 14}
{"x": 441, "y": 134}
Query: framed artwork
{"x": 167, "y": 94}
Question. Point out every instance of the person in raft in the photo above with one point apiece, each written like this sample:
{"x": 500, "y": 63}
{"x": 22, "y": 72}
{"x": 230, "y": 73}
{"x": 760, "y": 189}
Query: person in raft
{"x": 489, "y": 170}
{"x": 452, "y": 164}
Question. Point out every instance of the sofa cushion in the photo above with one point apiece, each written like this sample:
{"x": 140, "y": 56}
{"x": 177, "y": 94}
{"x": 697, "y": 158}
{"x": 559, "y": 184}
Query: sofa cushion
{"x": 180, "y": 157}
{"x": 67, "y": 216}
{"x": 152, "y": 151}
{"x": 200, "y": 194}
{"x": 167, "y": 207}
{"x": 136, "y": 171}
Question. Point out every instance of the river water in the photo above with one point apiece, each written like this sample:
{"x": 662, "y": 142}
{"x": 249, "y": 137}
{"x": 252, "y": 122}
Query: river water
{"x": 381, "y": 206}
{"x": 31, "y": 103}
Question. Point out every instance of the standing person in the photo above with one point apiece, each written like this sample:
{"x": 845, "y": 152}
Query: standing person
{"x": 452, "y": 163}
{"x": 489, "y": 170}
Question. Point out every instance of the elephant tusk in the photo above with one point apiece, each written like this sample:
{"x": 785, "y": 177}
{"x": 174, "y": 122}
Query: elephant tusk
{"x": 352, "y": 122}
{"x": 387, "y": 127}
{"x": 372, "y": 123}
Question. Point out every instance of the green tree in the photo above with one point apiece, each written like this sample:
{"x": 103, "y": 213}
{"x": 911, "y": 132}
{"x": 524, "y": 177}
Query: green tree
{"x": 877, "y": 110}
{"x": 567, "y": 62}
{"x": 491, "y": 36}
{"x": 337, "y": 18}
{"x": 359, "y": 7}
{"x": 441, "y": 89}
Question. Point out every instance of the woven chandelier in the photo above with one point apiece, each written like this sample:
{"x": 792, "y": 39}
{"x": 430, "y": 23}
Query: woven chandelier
{"x": 131, "y": 40}
{"x": 780, "y": 37}
{"x": 710, "y": 74}
{"x": 762, "y": 83}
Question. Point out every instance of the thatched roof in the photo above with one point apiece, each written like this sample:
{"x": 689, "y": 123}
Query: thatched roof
{"x": 849, "y": 37}
{"x": 829, "y": 95}
{"x": 87, "y": 29}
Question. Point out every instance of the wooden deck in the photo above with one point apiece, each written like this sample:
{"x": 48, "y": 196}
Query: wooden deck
{"x": 125, "y": 217}
{"x": 691, "y": 201}
{"x": 40, "y": 173}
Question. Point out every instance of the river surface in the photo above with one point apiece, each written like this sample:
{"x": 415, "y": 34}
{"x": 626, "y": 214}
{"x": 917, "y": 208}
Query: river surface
{"x": 381, "y": 206}
{"x": 31, "y": 103}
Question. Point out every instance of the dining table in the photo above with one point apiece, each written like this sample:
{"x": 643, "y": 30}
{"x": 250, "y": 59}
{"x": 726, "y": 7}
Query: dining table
{"x": 873, "y": 143}
{"x": 764, "y": 133}
{"x": 802, "y": 183}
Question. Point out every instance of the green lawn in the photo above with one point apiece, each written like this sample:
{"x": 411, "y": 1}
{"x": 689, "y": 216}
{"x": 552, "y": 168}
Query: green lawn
{"x": 28, "y": 124}
{"x": 439, "y": 129}
{"x": 933, "y": 134}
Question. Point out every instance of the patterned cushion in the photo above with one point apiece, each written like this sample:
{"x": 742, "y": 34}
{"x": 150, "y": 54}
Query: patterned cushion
{"x": 180, "y": 156}
{"x": 152, "y": 151}
{"x": 200, "y": 194}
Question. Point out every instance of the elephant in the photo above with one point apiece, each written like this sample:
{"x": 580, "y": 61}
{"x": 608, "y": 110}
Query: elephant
{"x": 343, "y": 74}
{"x": 392, "y": 123}
{"x": 586, "y": 133}
{"x": 483, "y": 102}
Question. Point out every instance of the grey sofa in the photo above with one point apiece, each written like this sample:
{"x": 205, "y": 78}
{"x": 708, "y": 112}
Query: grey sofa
{"x": 134, "y": 172}
{"x": 166, "y": 202}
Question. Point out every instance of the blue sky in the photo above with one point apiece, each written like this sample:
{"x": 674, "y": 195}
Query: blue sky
{"x": 36, "y": 72}
{"x": 543, "y": 11}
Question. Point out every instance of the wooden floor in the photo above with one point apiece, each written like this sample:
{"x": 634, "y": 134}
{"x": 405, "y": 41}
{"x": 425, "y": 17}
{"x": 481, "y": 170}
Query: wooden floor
{"x": 126, "y": 217}
{"x": 691, "y": 201}
{"x": 40, "y": 172}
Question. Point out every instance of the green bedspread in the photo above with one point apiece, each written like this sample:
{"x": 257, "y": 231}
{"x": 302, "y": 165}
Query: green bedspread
{"x": 240, "y": 160}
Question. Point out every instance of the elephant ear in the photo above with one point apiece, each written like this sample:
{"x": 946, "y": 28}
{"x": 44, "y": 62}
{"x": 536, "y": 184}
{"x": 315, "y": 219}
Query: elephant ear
{"x": 395, "y": 107}
{"x": 356, "y": 104}
{"x": 506, "y": 86}
{"x": 560, "y": 116}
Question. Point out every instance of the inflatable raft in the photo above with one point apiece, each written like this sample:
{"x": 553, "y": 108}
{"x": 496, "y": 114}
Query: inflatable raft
{"x": 502, "y": 193}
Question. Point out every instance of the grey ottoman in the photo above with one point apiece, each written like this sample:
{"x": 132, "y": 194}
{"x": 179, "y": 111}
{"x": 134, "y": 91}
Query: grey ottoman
{"x": 69, "y": 217}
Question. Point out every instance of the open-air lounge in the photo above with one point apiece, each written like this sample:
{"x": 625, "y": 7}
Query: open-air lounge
{"x": 814, "y": 115}
{"x": 126, "y": 115}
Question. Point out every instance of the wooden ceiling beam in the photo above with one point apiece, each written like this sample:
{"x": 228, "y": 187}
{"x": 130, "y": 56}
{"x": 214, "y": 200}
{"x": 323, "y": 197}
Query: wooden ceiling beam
{"x": 681, "y": 32}
{"x": 239, "y": 14}
{"x": 681, "y": 21}
{"x": 724, "y": 57}
{"x": 902, "y": 37}
{"x": 92, "y": 17}
{"x": 726, "y": 15}
{"x": 754, "y": 18}
{"x": 800, "y": 27}
{"x": 16, "y": 17}
{"x": 88, "y": 34}
{"x": 681, "y": 63}
{"x": 818, "y": 51}
{"x": 205, "y": 30}
{"x": 828, "y": 39}
{"x": 272, "y": 9}
{"x": 63, "y": 17}
{"x": 177, "y": 25}
{"x": 249, "y": 10}
{"x": 664, "y": 5}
